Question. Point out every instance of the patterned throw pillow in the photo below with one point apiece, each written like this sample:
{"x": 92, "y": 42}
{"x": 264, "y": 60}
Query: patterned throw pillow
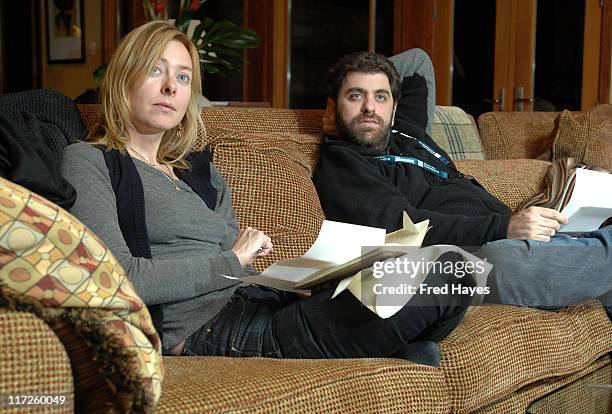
{"x": 270, "y": 177}
{"x": 582, "y": 137}
{"x": 48, "y": 255}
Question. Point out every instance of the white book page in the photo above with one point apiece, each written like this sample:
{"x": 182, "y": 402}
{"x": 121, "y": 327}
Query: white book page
{"x": 337, "y": 243}
{"x": 340, "y": 242}
{"x": 591, "y": 201}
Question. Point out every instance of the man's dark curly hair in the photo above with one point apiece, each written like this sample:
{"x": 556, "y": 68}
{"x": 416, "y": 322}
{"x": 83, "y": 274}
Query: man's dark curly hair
{"x": 365, "y": 62}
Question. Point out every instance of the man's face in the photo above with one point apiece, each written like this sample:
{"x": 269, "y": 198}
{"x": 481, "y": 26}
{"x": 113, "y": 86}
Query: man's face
{"x": 365, "y": 109}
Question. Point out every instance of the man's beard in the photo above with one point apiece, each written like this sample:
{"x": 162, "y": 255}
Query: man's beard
{"x": 351, "y": 132}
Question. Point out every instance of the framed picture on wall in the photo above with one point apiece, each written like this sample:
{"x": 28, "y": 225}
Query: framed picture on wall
{"x": 65, "y": 31}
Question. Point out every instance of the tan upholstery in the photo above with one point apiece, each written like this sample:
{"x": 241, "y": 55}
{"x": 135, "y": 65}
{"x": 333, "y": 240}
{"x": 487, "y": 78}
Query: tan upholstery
{"x": 512, "y": 182}
{"x": 499, "y": 359}
{"x": 574, "y": 397}
{"x": 584, "y": 138}
{"x": 270, "y": 177}
{"x": 497, "y": 350}
{"x": 32, "y": 359}
{"x": 516, "y": 134}
{"x": 580, "y": 396}
{"x": 258, "y": 385}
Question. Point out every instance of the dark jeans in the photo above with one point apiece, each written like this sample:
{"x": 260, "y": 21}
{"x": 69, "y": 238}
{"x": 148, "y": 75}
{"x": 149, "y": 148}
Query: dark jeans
{"x": 259, "y": 321}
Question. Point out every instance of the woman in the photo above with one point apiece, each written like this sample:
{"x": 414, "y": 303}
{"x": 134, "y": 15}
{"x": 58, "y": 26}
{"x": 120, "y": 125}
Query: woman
{"x": 166, "y": 215}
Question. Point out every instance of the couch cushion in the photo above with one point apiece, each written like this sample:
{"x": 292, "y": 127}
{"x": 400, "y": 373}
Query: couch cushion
{"x": 270, "y": 177}
{"x": 584, "y": 138}
{"x": 497, "y": 350}
{"x": 258, "y": 385}
{"x": 512, "y": 181}
{"x": 48, "y": 256}
{"x": 579, "y": 395}
{"x": 33, "y": 360}
{"x": 516, "y": 134}
{"x": 455, "y": 131}
{"x": 496, "y": 353}
{"x": 561, "y": 394}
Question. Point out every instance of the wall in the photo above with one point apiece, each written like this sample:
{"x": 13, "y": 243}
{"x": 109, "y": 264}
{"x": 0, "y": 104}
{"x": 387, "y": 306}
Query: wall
{"x": 72, "y": 79}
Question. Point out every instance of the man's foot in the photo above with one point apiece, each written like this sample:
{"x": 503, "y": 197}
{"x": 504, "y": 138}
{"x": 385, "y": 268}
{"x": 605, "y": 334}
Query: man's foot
{"x": 421, "y": 352}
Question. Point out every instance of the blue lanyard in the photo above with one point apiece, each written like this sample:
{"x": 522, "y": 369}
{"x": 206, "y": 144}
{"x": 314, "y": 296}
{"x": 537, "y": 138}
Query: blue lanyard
{"x": 427, "y": 148}
{"x": 414, "y": 161}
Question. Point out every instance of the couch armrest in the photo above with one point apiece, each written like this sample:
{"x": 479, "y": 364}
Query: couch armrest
{"x": 507, "y": 135}
{"x": 33, "y": 360}
{"x": 512, "y": 181}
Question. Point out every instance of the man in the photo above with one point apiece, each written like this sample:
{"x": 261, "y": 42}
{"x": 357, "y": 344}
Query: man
{"x": 383, "y": 163}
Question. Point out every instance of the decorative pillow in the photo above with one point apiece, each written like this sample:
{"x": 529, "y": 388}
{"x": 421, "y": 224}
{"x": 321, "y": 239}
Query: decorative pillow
{"x": 48, "y": 255}
{"x": 455, "y": 131}
{"x": 270, "y": 177}
{"x": 582, "y": 137}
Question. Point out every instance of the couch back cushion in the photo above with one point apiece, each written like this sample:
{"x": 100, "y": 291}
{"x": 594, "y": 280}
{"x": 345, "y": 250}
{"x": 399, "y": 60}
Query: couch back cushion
{"x": 453, "y": 129}
{"x": 267, "y": 157}
{"x": 507, "y": 135}
{"x": 270, "y": 177}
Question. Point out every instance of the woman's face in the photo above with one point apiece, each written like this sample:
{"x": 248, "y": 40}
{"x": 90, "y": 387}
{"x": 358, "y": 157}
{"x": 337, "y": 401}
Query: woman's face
{"x": 159, "y": 100}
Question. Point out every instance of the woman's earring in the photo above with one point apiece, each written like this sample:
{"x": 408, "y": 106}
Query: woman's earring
{"x": 179, "y": 131}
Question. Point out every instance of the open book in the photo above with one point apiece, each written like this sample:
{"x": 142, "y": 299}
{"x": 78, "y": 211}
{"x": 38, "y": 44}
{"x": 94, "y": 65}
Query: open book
{"x": 590, "y": 203}
{"x": 355, "y": 256}
{"x": 341, "y": 250}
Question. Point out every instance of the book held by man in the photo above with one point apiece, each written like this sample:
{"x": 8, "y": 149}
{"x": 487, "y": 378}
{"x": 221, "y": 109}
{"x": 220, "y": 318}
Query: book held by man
{"x": 590, "y": 202}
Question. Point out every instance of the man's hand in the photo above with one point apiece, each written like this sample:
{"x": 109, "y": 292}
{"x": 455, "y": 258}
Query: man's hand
{"x": 535, "y": 223}
{"x": 329, "y": 119}
{"x": 251, "y": 244}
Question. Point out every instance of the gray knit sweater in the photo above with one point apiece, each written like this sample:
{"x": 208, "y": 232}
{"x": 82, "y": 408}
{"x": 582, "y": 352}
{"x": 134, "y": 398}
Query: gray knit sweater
{"x": 190, "y": 244}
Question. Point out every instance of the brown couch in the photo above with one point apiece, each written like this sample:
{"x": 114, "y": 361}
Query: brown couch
{"x": 500, "y": 359}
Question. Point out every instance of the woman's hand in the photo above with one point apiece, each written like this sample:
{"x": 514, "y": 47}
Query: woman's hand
{"x": 251, "y": 244}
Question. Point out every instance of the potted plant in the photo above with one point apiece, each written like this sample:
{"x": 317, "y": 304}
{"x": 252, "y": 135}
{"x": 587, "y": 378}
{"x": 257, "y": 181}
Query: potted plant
{"x": 219, "y": 43}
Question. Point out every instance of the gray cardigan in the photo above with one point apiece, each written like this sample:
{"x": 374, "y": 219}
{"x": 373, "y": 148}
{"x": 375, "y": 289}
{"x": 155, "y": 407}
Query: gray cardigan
{"x": 190, "y": 243}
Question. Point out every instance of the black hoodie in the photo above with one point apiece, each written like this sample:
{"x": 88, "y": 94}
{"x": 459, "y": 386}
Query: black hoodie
{"x": 356, "y": 187}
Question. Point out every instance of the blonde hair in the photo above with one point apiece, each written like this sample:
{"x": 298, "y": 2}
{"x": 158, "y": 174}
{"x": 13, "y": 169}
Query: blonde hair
{"x": 136, "y": 55}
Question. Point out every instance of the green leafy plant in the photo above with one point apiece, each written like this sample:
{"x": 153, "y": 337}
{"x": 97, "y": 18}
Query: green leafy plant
{"x": 220, "y": 44}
